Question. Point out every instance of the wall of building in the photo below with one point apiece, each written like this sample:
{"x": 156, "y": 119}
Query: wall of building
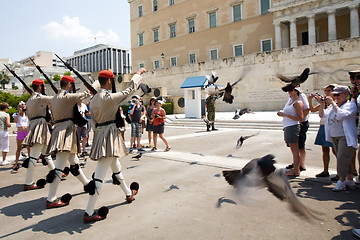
{"x": 260, "y": 89}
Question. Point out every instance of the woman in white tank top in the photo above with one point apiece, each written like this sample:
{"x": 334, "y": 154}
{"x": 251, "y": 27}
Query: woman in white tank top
{"x": 22, "y": 125}
{"x": 292, "y": 115}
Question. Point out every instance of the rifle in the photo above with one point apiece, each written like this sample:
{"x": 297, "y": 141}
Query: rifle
{"x": 46, "y": 77}
{"x": 22, "y": 81}
{"x": 87, "y": 85}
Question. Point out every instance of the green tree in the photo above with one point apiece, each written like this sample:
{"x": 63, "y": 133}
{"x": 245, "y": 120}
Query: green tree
{"x": 4, "y": 79}
{"x": 68, "y": 73}
{"x": 57, "y": 77}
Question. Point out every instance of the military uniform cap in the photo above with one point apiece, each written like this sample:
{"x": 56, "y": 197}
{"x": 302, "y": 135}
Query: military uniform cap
{"x": 106, "y": 74}
{"x": 37, "y": 82}
{"x": 68, "y": 79}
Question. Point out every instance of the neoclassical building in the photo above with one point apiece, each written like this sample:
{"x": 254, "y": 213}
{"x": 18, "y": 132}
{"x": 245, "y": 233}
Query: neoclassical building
{"x": 171, "y": 33}
{"x": 311, "y": 21}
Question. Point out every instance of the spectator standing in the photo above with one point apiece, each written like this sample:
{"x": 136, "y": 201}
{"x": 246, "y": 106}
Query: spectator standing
{"x": 320, "y": 137}
{"x": 22, "y": 127}
{"x": 4, "y": 133}
{"x": 136, "y": 113}
{"x": 159, "y": 116}
{"x": 292, "y": 114}
{"x": 340, "y": 129}
{"x": 82, "y": 131}
{"x": 149, "y": 121}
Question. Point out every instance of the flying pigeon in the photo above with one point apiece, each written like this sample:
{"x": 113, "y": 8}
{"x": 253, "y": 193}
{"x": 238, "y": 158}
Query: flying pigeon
{"x": 137, "y": 156}
{"x": 211, "y": 79}
{"x": 240, "y": 141}
{"x": 260, "y": 173}
{"x": 240, "y": 112}
{"x": 145, "y": 88}
{"x": 294, "y": 81}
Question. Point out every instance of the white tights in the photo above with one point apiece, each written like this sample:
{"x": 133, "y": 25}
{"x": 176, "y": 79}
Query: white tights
{"x": 100, "y": 172}
{"x": 35, "y": 152}
{"x": 61, "y": 159}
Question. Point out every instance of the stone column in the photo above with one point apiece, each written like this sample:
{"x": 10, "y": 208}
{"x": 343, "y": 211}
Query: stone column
{"x": 277, "y": 36}
{"x": 311, "y": 29}
{"x": 331, "y": 25}
{"x": 293, "y": 33}
{"x": 354, "y": 21}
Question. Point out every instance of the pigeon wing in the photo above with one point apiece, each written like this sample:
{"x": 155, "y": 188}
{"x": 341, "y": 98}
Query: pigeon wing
{"x": 278, "y": 184}
{"x": 284, "y": 78}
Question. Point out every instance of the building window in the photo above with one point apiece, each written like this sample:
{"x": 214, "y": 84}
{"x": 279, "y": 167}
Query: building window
{"x": 141, "y": 65}
{"x": 191, "y": 25}
{"x": 238, "y": 50}
{"x": 140, "y": 11}
{"x": 155, "y": 5}
{"x": 266, "y": 45}
{"x": 172, "y": 30}
{"x": 156, "y": 64}
{"x": 141, "y": 39}
{"x": 171, "y": 2}
{"x": 192, "y": 58}
{"x": 156, "y": 35}
{"x": 212, "y": 19}
{"x": 264, "y": 6}
{"x": 214, "y": 54}
{"x": 173, "y": 62}
{"x": 236, "y": 13}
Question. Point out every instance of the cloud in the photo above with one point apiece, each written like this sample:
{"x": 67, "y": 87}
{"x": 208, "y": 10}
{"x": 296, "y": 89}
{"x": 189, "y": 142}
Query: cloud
{"x": 71, "y": 30}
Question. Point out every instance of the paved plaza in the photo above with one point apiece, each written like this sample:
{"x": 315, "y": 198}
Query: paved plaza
{"x": 183, "y": 195}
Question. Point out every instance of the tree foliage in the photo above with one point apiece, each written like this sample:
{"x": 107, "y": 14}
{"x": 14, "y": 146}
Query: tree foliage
{"x": 4, "y": 79}
{"x": 67, "y": 73}
{"x": 56, "y": 77}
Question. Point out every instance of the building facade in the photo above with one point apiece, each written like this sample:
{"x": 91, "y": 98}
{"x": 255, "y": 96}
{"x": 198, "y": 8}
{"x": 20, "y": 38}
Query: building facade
{"x": 43, "y": 59}
{"x": 170, "y": 33}
{"x": 100, "y": 57}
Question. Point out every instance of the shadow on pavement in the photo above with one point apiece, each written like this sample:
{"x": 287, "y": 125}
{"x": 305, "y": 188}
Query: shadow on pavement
{"x": 12, "y": 190}
{"x": 349, "y": 199}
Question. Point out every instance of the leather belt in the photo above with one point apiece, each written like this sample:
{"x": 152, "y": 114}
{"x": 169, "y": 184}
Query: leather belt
{"x": 104, "y": 123}
{"x": 64, "y": 120}
{"x": 37, "y": 117}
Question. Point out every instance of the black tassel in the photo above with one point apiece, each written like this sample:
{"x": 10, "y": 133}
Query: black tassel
{"x": 74, "y": 169}
{"x": 43, "y": 160}
{"x": 41, "y": 182}
{"x": 25, "y": 163}
{"x": 115, "y": 180}
{"x": 134, "y": 186}
{"x": 50, "y": 176}
{"x": 66, "y": 170}
{"x": 103, "y": 211}
{"x": 90, "y": 187}
{"x": 66, "y": 198}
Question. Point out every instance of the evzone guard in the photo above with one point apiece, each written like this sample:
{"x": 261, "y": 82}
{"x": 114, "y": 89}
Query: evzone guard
{"x": 64, "y": 142}
{"x": 108, "y": 145}
{"x": 39, "y": 135}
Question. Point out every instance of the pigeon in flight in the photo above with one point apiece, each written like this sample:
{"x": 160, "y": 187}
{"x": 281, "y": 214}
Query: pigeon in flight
{"x": 137, "y": 156}
{"x": 145, "y": 88}
{"x": 211, "y": 79}
{"x": 260, "y": 173}
{"x": 240, "y": 141}
{"x": 294, "y": 81}
{"x": 240, "y": 112}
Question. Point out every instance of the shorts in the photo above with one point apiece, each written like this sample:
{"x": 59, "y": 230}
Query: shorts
{"x": 4, "y": 141}
{"x": 82, "y": 132}
{"x": 159, "y": 129}
{"x": 320, "y": 138}
{"x": 21, "y": 135}
{"x": 304, "y": 126}
{"x": 291, "y": 134}
{"x": 136, "y": 129}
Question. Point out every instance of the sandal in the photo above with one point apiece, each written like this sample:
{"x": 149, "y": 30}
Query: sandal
{"x": 154, "y": 149}
{"x": 167, "y": 149}
{"x": 291, "y": 173}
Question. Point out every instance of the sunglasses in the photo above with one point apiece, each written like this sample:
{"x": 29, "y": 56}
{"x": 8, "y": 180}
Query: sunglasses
{"x": 328, "y": 90}
{"x": 336, "y": 94}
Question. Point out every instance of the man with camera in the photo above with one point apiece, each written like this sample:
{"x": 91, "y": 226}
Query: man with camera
{"x": 137, "y": 114}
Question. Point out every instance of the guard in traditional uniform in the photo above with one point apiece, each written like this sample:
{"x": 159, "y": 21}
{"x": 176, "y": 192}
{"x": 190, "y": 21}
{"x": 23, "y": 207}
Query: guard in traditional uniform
{"x": 39, "y": 135}
{"x": 108, "y": 145}
{"x": 64, "y": 141}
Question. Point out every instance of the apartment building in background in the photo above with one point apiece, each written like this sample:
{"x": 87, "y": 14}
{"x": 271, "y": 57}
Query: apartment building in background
{"x": 170, "y": 33}
{"x": 43, "y": 59}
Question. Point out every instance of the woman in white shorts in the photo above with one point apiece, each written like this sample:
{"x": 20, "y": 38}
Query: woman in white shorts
{"x": 4, "y": 134}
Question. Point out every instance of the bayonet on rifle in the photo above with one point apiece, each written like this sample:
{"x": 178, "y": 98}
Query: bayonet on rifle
{"x": 87, "y": 85}
{"x": 22, "y": 81}
{"x": 46, "y": 77}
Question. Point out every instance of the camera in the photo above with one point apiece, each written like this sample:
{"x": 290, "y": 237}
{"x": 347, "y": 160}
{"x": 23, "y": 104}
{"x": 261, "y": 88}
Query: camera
{"x": 322, "y": 98}
{"x": 24, "y": 109}
{"x": 156, "y": 115}
{"x": 356, "y": 88}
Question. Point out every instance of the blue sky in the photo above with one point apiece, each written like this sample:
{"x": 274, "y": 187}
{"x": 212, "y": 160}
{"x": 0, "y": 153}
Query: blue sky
{"x": 62, "y": 27}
